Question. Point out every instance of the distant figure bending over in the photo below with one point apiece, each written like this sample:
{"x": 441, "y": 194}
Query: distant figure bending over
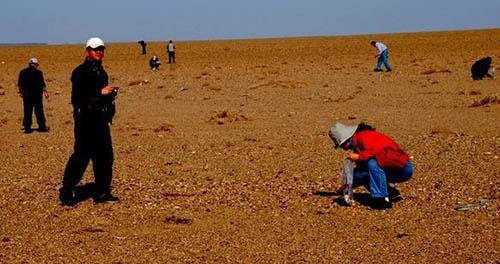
{"x": 154, "y": 63}
{"x": 383, "y": 56}
{"x": 482, "y": 68}
{"x": 171, "y": 52}
{"x": 31, "y": 88}
{"x": 143, "y": 45}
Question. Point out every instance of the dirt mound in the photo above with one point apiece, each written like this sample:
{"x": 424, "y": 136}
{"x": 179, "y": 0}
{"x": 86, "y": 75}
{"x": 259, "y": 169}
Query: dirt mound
{"x": 433, "y": 71}
{"x": 226, "y": 117}
{"x": 486, "y": 101}
{"x": 285, "y": 84}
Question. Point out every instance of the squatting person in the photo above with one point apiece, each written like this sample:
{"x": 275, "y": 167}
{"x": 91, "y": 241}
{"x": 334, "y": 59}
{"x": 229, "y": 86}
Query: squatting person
{"x": 379, "y": 161}
{"x": 93, "y": 109}
{"x": 32, "y": 88}
{"x": 482, "y": 68}
{"x": 154, "y": 63}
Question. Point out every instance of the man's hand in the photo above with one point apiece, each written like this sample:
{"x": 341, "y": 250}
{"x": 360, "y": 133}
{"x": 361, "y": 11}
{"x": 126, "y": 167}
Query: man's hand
{"x": 376, "y": 56}
{"x": 46, "y": 94}
{"x": 353, "y": 156}
{"x": 108, "y": 90}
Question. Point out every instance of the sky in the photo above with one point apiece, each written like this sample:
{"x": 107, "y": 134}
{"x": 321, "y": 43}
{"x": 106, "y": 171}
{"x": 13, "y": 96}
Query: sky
{"x": 71, "y": 21}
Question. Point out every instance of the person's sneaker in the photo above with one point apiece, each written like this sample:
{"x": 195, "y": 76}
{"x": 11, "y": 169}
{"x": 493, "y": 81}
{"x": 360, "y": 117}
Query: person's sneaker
{"x": 105, "y": 197}
{"x": 28, "y": 130}
{"x": 388, "y": 70}
{"x": 377, "y": 70}
{"x": 43, "y": 129}
{"x": 67, "y": 197}
{"x": 380, "y": 203}
{"x": 394, "y": 194}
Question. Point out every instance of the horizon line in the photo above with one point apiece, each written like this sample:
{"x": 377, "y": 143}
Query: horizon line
{"x": 24, "y": 44}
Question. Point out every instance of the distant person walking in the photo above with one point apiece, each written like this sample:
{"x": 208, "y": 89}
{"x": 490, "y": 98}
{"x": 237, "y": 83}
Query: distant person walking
{"x": 383, "y": 56}
{"x": 154, "y": 63}
{"x": 31, "y": 88}
{"x": 143, "y": 46}
{"x": 482, "y": 68}
{"x": 171, "y": 51}
{"x": 93, "y": 109}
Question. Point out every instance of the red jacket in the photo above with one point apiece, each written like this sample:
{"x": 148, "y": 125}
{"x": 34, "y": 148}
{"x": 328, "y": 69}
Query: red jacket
{"x": 368, "y": 142}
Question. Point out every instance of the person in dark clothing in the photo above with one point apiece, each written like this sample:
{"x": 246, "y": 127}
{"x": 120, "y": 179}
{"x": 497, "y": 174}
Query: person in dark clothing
{"x": 31, "y": 88}
{"x": 154, "y": 63}
{"x": 482, "y": 68}
{"x": 93, "y": 109}
{"x": 143, "y": 45}
{"x": 171, "y": 51}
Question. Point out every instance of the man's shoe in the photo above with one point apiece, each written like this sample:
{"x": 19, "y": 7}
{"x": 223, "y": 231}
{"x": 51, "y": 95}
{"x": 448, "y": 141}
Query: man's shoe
{"x": 105, "y": 197}
{"x": 28, "y": 130}
{"x": 394, "y": 194}
{"x": 377, "y": 70}
{"x": 380, "y": 203}
{"x": 67, "y": 197}
{"x": 389, "y": 70}
{"x": 43, "y": 129}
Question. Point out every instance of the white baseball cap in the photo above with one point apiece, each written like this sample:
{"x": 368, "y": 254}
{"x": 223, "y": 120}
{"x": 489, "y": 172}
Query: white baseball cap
{"x": 33, "y": 61}
{"x": 94, "y": 42}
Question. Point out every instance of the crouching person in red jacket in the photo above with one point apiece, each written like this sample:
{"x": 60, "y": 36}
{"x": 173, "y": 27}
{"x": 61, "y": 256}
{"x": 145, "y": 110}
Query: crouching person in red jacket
{"x": 379, "y": 161}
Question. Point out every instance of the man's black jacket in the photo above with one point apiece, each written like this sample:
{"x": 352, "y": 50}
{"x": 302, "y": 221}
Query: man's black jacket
{"x": 31, "y": 82}
{"x": 87, "y": 81}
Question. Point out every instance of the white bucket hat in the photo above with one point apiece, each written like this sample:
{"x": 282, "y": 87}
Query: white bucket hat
{"x": 94, "y": 42}
{"x": 340, "y": 133}
{"x": 33, "y": 61}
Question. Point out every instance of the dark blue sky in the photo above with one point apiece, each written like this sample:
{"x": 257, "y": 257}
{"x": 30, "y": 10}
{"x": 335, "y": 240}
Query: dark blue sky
{"x": 67, "y": 21}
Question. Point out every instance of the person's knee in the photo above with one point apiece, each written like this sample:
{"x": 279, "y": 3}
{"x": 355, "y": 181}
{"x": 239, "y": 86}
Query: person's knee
{"x": 373, "y": 165}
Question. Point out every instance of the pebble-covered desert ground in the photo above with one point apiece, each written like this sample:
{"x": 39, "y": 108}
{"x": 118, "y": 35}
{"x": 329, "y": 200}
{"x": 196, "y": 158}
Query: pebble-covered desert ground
{"x": 224, "y": 157}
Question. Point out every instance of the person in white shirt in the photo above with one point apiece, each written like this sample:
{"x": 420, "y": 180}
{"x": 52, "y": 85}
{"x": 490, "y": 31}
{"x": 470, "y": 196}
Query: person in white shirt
{"x": 171, "y": 52}
{"x": 383, "y": 56}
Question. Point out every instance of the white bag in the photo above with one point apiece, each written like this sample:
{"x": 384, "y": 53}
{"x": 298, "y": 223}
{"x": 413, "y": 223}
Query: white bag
{"x": 346, "y": 175}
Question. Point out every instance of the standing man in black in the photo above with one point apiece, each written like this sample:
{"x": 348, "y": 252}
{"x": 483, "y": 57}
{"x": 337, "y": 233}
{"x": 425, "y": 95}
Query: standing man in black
{"x": 171, "y": 51}
{"x": 31, "y": 88}
{"x": 93, "y": 109}
{"x": 143, "y": 46}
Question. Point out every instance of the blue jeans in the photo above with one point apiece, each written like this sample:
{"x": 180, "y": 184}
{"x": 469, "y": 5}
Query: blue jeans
{"x": 384, "y": 58}
{"x": 374, "y": 178}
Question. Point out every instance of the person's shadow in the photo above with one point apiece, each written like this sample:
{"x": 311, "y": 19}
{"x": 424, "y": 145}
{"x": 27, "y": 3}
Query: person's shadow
{"x": 84, "y": 192}
{"x": 361, "y": 198}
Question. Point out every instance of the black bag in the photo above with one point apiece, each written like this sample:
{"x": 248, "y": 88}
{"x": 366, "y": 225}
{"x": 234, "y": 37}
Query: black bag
{"x": 109, "y": 111}
{"x": 108, "y": 108}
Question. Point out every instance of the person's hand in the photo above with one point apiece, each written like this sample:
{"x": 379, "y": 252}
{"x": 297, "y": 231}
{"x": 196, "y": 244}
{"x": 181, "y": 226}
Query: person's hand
{"x": 108, "y": 90}
{"x": 20, "y": 94}
{"x": 46, "y": 94}
{"x": 353, "y": 156}
{"x": 376, "y": 56}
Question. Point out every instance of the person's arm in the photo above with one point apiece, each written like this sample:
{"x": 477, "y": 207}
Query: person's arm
{"x": 492, "y": 69}
{"x": 20, "y": 84}
{"x": 361, "y": 151}
{"x": 20, "y": 91}
{"x": 45, "y": 92}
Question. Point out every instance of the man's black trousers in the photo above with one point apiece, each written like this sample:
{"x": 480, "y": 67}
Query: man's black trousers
{"x": 30, "y": 102}
{"x": 92, "y": 142}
